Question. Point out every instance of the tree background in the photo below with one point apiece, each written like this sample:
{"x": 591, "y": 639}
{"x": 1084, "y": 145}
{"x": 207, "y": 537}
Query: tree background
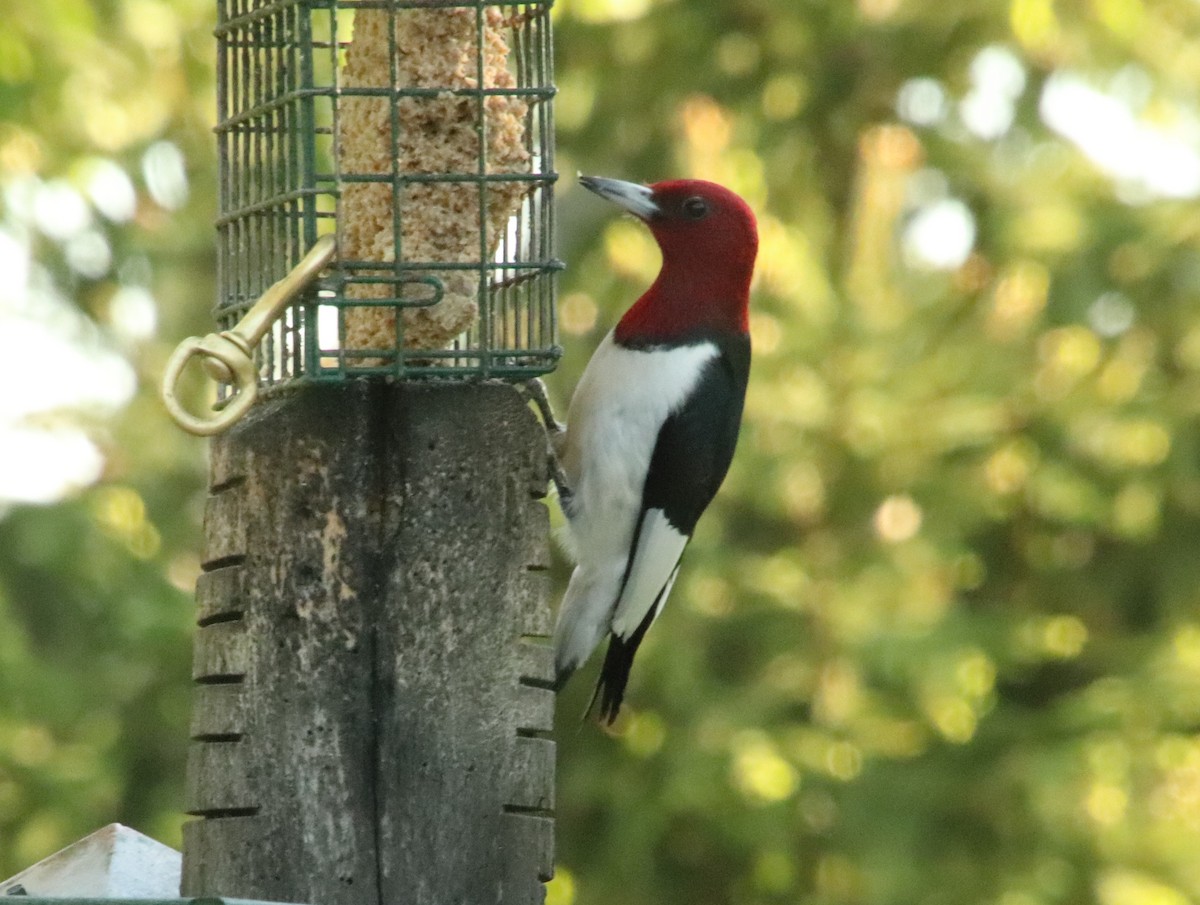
{"x": 938, "y": 640}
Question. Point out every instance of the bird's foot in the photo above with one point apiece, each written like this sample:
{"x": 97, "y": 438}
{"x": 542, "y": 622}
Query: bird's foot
{"x": 535, "y": 391}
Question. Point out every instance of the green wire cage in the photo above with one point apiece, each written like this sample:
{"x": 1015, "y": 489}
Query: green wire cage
{"x": 420, "y": 134}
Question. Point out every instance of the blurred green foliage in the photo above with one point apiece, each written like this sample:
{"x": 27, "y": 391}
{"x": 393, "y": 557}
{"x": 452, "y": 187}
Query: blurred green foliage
{"x": 938, "y": 640}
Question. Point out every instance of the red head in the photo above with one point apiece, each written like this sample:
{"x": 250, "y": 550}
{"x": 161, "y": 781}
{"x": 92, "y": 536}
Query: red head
{"x": 708, "y": 239}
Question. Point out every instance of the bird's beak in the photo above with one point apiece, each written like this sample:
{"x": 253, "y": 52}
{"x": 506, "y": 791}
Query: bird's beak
{"x": 637, "y": 199}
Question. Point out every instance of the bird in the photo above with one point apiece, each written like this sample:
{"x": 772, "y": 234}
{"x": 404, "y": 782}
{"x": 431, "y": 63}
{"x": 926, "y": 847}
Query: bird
{"x": 653, "y": 423}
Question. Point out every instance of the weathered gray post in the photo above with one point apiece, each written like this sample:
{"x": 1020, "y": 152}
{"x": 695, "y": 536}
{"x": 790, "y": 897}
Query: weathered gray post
{"x": 372, "y": 710}
{"x": 373, "y": 706}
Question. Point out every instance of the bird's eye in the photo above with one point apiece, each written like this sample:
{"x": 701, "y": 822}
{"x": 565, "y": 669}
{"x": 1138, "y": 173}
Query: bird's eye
{"x": 695, "y": 208}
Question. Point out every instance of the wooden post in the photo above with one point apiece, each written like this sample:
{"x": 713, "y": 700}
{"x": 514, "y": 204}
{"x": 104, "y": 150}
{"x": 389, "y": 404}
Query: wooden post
{"x": 373, "y": 707}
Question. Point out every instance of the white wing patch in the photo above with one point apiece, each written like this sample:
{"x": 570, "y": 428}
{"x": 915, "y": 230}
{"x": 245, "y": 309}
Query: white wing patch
{"x": 655, "y": 562}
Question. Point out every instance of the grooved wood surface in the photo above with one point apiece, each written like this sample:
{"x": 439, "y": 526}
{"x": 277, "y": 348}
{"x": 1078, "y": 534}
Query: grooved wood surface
{"x": 372, "y": 716}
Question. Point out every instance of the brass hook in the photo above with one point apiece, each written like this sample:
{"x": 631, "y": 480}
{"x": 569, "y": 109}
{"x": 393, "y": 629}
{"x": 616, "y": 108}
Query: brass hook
{"x": 228, "y": 356}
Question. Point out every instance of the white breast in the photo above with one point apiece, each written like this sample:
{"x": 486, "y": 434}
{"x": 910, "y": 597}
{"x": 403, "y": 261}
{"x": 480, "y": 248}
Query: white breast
{"x": 621, "y": 402}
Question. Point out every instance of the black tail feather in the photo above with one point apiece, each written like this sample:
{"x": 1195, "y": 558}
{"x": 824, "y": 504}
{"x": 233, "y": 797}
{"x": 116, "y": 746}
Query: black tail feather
{"x": 614, "y": 676}
{"x": 618, "y": 660}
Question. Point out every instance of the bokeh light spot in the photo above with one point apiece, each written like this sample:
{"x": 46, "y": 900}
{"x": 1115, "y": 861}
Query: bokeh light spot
{"x": 975, "y": 674}
{"x": 783, "y": 96}
{"x": 844, "y": 761}
{"x": 1007, "y": 469}
{"x": 940, "y": 235}
{"x": 1064, "y": 636}
{"x": 644, "y": 733}
{"x": 165, "y": 172}
{"x": 760, "y": 772}
{"x": 954, "y": 718}
{"x": 110, "y": 190}
{"x": 577, "y": 313}
{"x": 60, "y": 211}
{"x": 922, "y": 102}
{"x": 737, "y": 54}
{"x": 897, "y": 519}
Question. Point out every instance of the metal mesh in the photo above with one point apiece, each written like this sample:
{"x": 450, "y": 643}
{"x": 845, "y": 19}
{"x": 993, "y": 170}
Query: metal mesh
{"x": 288, "y": 174}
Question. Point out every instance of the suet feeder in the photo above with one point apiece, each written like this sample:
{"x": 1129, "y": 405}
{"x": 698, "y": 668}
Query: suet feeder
{"x": 419, "y": 133}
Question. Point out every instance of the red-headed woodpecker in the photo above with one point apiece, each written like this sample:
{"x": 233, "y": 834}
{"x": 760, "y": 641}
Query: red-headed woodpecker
{"x": 653, "y": 423}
